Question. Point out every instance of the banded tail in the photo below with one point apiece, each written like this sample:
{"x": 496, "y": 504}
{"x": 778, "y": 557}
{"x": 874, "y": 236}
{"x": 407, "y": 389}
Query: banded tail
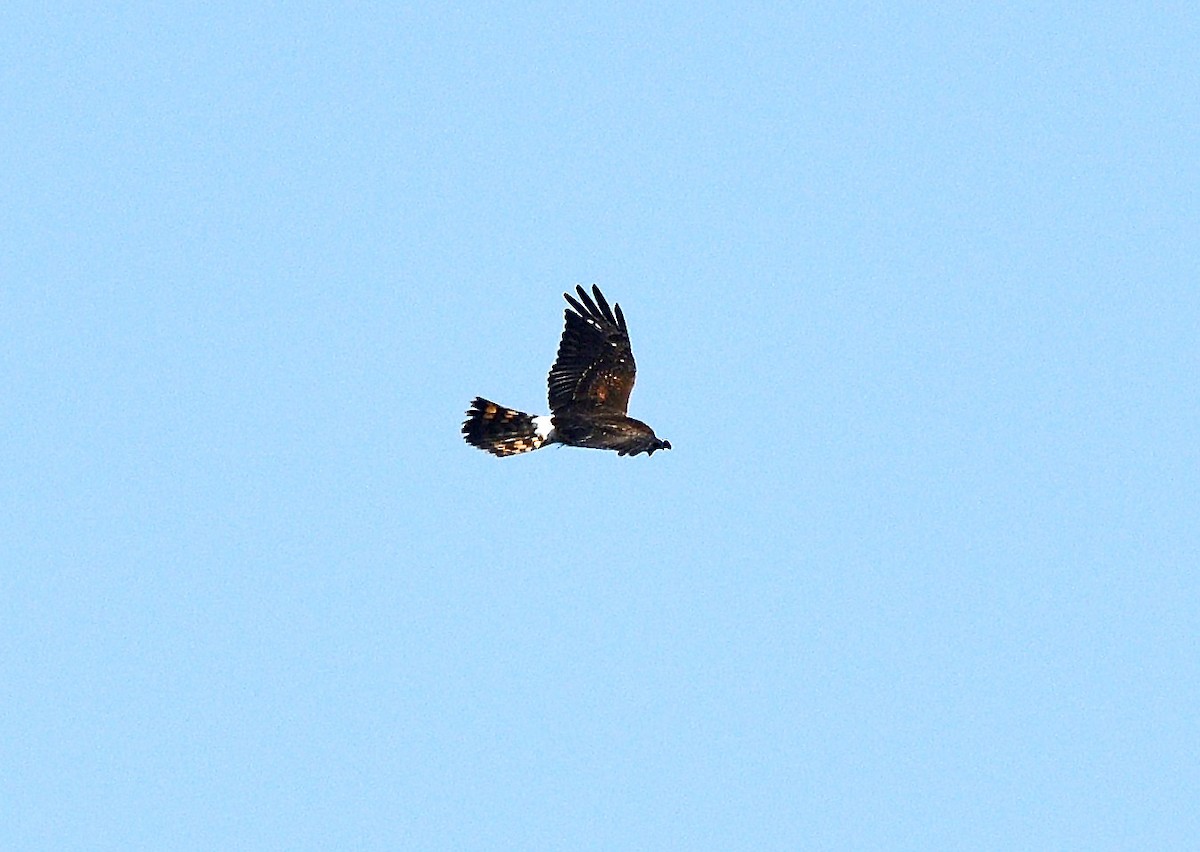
{"x": 504, "y": 431}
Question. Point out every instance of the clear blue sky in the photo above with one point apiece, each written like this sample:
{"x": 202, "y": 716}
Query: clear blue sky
{"x": 914, "y": 293}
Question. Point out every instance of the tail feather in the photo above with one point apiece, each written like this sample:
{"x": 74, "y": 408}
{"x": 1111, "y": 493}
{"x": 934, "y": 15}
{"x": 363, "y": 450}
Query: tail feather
{"x": 500, "y": 431}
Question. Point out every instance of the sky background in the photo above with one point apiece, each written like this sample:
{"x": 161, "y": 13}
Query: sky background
{"x": 914, "y": 292}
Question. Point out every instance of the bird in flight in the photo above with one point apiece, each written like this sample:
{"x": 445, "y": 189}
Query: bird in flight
{"x": 590, "y": 384}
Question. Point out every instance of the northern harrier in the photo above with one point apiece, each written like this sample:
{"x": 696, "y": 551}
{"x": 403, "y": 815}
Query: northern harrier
{"x": 590, "y": 384}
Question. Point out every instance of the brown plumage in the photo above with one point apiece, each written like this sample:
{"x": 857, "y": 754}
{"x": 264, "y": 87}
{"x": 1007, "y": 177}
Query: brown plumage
{"x": 589, "y": 386}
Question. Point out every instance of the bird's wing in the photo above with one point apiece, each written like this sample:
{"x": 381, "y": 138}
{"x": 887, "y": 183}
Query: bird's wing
{"x": 594, "y": 369}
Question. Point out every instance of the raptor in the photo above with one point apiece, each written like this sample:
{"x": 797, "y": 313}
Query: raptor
{"x": 590, "y": 384}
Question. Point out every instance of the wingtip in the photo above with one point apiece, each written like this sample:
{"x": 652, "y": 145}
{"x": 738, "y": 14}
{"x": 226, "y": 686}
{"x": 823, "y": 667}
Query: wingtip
{"x": 595, "y": 307}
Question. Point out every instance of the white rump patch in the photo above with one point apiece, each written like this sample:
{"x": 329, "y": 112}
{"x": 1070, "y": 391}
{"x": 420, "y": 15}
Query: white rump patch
{"x": 543, "y": 426}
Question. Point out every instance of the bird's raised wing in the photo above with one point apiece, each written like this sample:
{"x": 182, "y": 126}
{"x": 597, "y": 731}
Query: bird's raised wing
{"x": 594, "y": 369}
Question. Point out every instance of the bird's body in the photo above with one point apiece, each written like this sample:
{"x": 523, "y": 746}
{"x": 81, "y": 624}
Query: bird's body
{"x": 589, "y": 386}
